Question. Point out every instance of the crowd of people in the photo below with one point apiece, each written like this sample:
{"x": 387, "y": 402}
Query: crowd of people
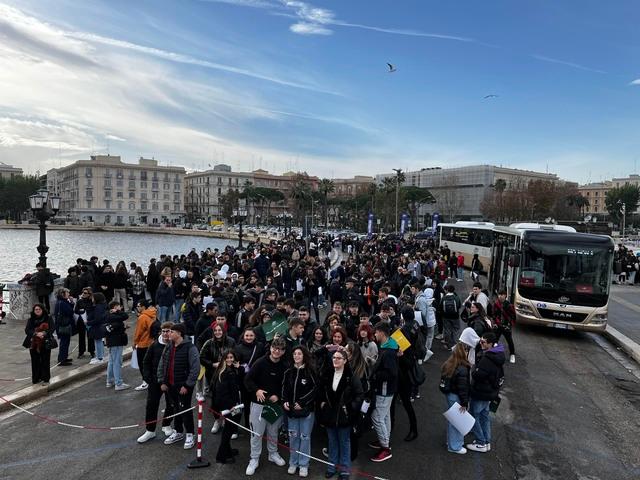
{"x": 625, "y": 266}
{"x": 346, "y": 370}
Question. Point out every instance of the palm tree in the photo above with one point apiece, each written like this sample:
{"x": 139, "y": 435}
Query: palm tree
{"x": 300, "y": 191}
{"x": 325, "y": 187}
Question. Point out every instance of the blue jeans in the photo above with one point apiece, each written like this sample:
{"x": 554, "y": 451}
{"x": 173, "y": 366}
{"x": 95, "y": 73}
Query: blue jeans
{"x": 99, "y": 348}
{"x": 455, "y": 440}
{"x": 114, "y": 374}
{"x": 63, "y": 352}
{"x": 300, "y": 440}
{"x": 177, "y": 306}
{"x": 339, "y": 450}
{"x": 482, "y": 428}
{"x": 460, "y": 273}
{"x": 163, "y": 314}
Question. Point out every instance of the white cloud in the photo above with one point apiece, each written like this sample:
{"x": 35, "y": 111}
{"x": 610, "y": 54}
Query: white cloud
{"x": 635, "y": 82}
{"x": 304, "y": 28}
{"x": 35, "y": 133}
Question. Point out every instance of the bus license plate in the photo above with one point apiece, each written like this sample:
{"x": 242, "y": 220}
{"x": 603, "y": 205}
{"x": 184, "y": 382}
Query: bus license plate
{"x": 562, "y": 326}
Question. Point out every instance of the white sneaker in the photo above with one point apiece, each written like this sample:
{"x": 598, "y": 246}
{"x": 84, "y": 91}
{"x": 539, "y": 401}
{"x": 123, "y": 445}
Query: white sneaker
{"x": 478, "y": 447}
{"x": 251, "y": 468}
{"x": 462, "y": 451}
{"x": 234, "y": 436}
{"x": 189, "y": 442}
{"x": 512, "y": 359}
{"x": 94, "y": 361}
{"x": 122, "y": 386}
{"x": 304, "y": 471}
{"x": 277, "y": 459}
{"x": 439, "y": 336}
{"x": 142, "y": 386}
{"x": 109, "y": 384}
{"x": 216, "y": 426}
{"x": 428, "y": 355}
{"x": 173, "y": 438}
{"x": 146, "y": 436}
{"x": 168, "y": 431}
{"x": 292, "y": 469}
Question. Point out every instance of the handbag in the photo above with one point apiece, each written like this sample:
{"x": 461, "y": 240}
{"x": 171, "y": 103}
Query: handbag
{"x": 417, "y": 374}
{"x": 65, "y": 331}
{"x": 50, "y": 343}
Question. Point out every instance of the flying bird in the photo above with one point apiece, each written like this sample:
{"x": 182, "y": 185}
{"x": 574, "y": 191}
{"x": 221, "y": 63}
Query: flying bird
{"x": 490, "y": 96}
{"x": 391, "y": 68}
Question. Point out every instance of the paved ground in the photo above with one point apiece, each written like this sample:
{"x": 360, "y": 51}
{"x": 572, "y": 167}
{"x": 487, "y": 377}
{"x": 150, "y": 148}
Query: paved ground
{"x": 624, "y": 310}
{"x": 571, "y": 410}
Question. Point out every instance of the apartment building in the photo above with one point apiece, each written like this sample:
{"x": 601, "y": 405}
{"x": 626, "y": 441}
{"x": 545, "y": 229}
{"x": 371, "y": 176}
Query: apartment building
{"x": 352, "y": 187}
{"x": 106, "y": 190}
{"x": 596, "y": 194}
{"x": 204, "y": 191}
{"x": 459, "y": 191}
{"x": 9, "y": 171}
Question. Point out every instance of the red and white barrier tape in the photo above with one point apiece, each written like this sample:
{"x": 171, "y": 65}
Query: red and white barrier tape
{"x": 29, "y": 377}
{"x": 47, "y": 419}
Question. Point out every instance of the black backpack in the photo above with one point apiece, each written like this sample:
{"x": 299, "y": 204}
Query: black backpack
{"x": 449, "y": 306}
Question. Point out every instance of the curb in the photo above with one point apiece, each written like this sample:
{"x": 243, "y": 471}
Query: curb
{"x": 34, "y": 392}
{"x": 627, "y": 345}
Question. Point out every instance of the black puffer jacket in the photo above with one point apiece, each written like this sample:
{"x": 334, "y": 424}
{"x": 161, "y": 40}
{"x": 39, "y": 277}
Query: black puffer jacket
{"x": 299, "y": 386}
{"x": 116, "y": 335}
{"x": 460, "y": 384}
{"x": 249, "y": 353}
{"x": 226, "y": 389}
{"x": 151, "y": 361}
{"x": 488, "y": 373}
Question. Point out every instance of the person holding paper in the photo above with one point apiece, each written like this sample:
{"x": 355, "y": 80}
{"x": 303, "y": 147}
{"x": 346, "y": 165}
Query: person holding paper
{"x": 487, "y": 377}
{"x": 454, "y": 383}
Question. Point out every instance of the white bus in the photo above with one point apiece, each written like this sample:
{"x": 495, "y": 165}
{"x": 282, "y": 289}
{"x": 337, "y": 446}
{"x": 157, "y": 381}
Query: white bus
{"x": 553, "y": 275}
{"x": 470, "y": 238}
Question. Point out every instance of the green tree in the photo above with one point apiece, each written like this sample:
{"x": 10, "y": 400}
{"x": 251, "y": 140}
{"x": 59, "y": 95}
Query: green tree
{"x": 301, "y": 193}
{"x": 14, "y": 195}
{"x": 230, "y": 202}
{"x": 412, "y": 198}
{"x": 627, "y": 195}
{"x": 325, "y": 187}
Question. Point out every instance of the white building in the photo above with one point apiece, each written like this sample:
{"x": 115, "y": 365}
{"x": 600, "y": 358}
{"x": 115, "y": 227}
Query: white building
{"x": 105, "y": 190}
{"x": 9, "y": 171}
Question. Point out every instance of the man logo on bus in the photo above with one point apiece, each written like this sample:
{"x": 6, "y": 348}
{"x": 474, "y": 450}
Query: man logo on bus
{"x": 564, "y": 299}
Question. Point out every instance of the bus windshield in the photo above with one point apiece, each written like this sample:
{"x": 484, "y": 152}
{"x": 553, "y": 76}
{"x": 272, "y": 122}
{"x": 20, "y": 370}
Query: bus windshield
{"x": 557, "y": 272}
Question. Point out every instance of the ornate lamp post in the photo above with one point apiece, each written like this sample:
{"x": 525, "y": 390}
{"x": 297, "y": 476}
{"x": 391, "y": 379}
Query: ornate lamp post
{"x": 44, "y": 206}
{"x": 240, "y": 214}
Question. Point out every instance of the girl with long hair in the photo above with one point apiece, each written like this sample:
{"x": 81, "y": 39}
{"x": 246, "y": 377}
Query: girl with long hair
{"x": 454, "y": 383}
{"x": 226, "y": 382}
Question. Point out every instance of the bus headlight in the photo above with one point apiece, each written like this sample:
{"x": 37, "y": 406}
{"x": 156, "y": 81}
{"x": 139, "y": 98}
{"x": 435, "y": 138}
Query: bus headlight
{"x": 599, "y": 318}
{"x": 523, "y": 308}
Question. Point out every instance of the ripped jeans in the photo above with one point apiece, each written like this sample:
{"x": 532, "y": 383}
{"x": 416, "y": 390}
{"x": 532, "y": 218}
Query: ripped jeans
{"x": 300, "y": 440}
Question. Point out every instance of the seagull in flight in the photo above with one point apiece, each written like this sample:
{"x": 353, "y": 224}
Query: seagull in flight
{"x": 490, "y": 96}
{"x": 391, "y": 68}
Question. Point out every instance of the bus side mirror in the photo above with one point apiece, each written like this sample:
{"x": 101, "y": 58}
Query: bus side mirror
{"x": 514, "y": 260}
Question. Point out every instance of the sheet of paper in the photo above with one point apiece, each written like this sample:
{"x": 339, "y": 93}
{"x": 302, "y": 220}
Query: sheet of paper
{"x": 418, "y": 317}
{"x": 463, "y": 422}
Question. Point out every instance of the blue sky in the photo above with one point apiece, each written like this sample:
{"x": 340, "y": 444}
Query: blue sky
{"x": 283, "y": 84}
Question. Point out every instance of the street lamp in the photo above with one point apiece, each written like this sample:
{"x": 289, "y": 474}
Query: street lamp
{"x": 623, "y": 211}
{"x": 398, "y": 175}
{"x": 44, "y": 206}
{"x": 240, "y": 213}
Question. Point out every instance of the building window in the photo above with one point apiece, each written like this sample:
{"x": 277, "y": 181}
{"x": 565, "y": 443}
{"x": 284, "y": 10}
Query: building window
{"x": 167, "y": 186}
{"x": 176, "y": 207}
{"x": 165, "y": 207}
{"x": 89, "y": 193}
{"x": 107, "y": 182}
{"x": 176, "y": 197}
{"x": 88, "y": 172}
{"x": 132, "y": 220}
{"x": 88, "y": 203}
{"x": 143, "y": 195}
{"x": 132, "y": 205}
{"x": 119, "y": 205}
{"x": 132, "y": 194}
{"x": 119, "y": 173}
{"x": 132, "y": 184}
{"x": 176, "y": 187}
{"x": 219, "y": 191}
{"x": 143, "y": 205}
{"x": 119, "y": 195}
{"x": 154, "y": 195}
{"x": 143, "y": 175}
{"x": 165, "y": 196}
{"x": 154, "y": 206}
{"x": 107, "y": 194}
{"x": 143, "y": 184}
{"x": 107, "y": 204}
{"x": 119, "y": 183}
{"x": 154, "y": 185}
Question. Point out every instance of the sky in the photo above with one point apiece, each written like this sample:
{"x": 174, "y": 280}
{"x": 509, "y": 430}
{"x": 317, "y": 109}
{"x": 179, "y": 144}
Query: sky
{"x": 293, "y": 85}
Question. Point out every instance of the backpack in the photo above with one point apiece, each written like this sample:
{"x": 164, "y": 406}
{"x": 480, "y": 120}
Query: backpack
{"x": 418, "y": 342}
{"x": 449, "y": 306}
